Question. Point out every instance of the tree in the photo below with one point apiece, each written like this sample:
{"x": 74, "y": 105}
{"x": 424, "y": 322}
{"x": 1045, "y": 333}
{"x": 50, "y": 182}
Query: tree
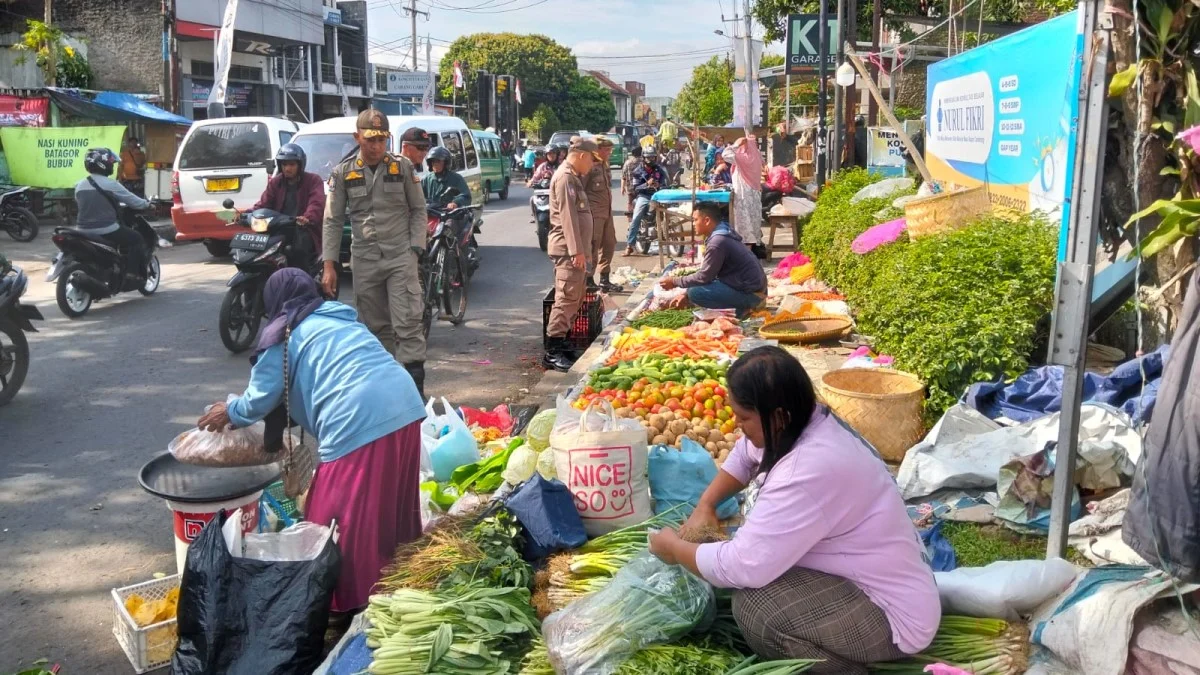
{"x": 770, "y": 60}
{"x": 707, "y": 98}
{"x": 588, "y": 106}
{"x": 546, "y": 69}
{"x": 541, "y": 123}
{"x": 61, "y": 64}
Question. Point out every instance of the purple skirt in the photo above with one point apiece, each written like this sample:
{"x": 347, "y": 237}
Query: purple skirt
{"x": 374, "y": 494}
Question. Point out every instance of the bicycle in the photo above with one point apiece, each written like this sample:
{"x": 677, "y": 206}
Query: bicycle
{"x": 448, "y": 264}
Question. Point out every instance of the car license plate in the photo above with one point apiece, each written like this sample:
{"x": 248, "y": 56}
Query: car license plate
{"x": 222, "y": 184}
{"x": 250, "y": 242}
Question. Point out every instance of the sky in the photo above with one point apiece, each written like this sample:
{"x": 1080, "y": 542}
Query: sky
{"x": 610, "y": 35}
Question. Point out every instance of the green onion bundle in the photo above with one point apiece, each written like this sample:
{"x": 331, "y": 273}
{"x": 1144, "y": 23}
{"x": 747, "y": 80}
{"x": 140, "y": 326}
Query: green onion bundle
{"x": 981, "y": 646}
{"x": 664, "y": 318}
{"x": 752, "y": 666}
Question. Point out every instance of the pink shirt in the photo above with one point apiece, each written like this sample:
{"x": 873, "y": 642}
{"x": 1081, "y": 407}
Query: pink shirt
{"x": 830, "y": 505}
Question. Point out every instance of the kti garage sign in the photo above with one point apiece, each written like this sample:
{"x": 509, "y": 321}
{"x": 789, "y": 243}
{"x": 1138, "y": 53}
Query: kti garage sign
{"x": 803, "y": 40}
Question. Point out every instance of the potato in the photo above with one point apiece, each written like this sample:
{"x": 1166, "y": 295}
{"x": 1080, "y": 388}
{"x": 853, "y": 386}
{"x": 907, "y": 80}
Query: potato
{"x": 715, "y": 436}
{"x": 659, "y": 440}
{"x": 678, "y": 427}
{"x": 711, "y": 448}
{"x": 729, "y": 437}
{"x": 722, "y": 456}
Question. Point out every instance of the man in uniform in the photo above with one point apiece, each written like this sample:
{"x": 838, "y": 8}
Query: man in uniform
{"x": 604, "y": 231}
{"x": 414, "y": 145}
{"x": 570, "y": 243}
{"x": 382, "y": 194}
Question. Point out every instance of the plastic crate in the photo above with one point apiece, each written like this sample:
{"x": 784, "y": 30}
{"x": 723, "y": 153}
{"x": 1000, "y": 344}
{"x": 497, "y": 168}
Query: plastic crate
{"x": 275, "y": 510}
{"x": 587, "y": 324}
{"x": 151, "y": 647}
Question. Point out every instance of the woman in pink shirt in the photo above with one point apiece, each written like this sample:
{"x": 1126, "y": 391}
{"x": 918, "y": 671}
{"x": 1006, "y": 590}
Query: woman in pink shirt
{"x": 827, "y": 565}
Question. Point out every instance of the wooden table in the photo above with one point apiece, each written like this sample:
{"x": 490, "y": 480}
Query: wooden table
{"x": 783, "y": 221}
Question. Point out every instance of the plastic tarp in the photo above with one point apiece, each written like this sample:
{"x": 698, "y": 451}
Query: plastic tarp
{"x": 113, "y": 106}
{"x": 679, "y": 195}
{"x": 966, "y": 450}
{"x": 1038, "y": 391}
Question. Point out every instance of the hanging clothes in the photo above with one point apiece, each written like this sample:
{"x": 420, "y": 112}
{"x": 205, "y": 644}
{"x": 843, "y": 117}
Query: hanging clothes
{"x": 747, "y": 191}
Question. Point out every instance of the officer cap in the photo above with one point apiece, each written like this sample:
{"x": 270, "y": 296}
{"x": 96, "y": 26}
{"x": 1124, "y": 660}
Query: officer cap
{"x": 581, "y": 144}
{"x": 372, "y": 123}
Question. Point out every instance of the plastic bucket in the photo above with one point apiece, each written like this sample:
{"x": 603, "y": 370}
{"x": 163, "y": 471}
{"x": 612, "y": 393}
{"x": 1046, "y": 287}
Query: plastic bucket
{"x": 191, "y": 517}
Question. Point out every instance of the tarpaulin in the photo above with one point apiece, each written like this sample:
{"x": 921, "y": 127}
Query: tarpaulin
{"x": 113, "y": 106}
{"x": 16, "y": 111}
{"x": 52, "y": 157}
{"x": 1038, "y": 391}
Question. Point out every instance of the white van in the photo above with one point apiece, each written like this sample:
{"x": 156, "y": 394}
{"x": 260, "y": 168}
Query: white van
{"x": 219, "y": 159}
{"x": 328, "y": 142}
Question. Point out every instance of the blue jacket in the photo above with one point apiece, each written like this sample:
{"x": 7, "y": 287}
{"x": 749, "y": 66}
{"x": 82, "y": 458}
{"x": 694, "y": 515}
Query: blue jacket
{"x": 347, "y": 390}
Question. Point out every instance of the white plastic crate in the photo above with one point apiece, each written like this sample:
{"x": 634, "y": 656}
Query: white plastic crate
{"x": 151, "y": 647}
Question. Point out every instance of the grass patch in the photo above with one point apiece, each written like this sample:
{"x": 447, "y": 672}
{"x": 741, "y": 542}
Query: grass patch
{"x": 979, "y": 545}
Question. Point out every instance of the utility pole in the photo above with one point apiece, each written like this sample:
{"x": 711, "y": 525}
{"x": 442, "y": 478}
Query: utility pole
{"x": 413, "y": 12}
{"x": 822, "y": 93}
{"x": 851, "y": 95}
{"x": 876, "y": 30}
{"x": 52, "y": 52}
{"x": 839, "y": 97}
{"x": 751, "y": 94}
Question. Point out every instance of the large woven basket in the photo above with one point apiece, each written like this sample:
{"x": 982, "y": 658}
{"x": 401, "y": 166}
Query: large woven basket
{"x": 881, "y": 404}
{"x": 945, "y": 212}
{"x": 804, "y": 331}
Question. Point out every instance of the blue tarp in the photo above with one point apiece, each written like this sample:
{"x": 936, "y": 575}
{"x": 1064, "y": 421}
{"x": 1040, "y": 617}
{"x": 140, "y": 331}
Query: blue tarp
{"x": 1038, "y": 392}
{"x": 674, "y": 196}
{"x": 112, "y": 106}
{"x": 136, "y": 106}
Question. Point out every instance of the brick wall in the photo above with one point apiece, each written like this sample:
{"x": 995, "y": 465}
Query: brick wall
{"x": 910, "y": 90}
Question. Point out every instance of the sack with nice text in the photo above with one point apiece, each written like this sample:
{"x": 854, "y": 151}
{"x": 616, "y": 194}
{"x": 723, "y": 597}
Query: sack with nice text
{"x": 602, "y": 459}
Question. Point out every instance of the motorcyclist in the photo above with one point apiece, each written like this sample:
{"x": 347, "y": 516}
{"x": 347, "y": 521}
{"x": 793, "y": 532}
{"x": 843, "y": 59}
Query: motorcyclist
{"x": 647, "y": 179}
{"x": 554, "y": 156}
{"x": 97, "y": 198}
{"x": 295, "y": 192}
{"x": 440, "y": 177}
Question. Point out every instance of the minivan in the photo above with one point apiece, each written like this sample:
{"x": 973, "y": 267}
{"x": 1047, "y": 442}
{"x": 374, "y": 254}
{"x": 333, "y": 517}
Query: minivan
{"x": 495, "y": 168}
{"x": 328, "y": 142}
{"x": 219, "y": 159}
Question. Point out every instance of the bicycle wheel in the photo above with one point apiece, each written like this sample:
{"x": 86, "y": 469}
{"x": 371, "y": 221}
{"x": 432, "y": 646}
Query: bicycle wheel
{"x": 454, "y": 286}
{"x": 430, "y": 288}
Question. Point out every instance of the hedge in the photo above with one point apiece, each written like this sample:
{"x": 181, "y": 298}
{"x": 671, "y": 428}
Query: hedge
{"x": 953, "y": 309}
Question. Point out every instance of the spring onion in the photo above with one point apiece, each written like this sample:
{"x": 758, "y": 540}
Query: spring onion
{"x": 981, "y": 646}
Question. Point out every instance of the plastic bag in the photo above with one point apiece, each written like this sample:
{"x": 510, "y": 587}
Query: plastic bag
{"x": 547, "y": 512}
{"x": 498, "y": 417}
{"x": 302, "y": 541}
{"x": 238, "y": 615}
{"x": 882, "y": 189}
{"x": 537, "y": 433}
{"x": 521, "y": 465}
{"x": 780, "y": 179}
{"x": 231, "y": 447}
{"x": 450, "y": 442}
{"x": 1003, "y": 590}
{"x": 647, "y": 602}
{"x": 681, "y": 476}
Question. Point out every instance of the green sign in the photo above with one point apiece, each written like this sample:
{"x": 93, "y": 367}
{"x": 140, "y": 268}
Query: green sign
{"x": 53, "y": 157}
{"x": 803, "y": 40}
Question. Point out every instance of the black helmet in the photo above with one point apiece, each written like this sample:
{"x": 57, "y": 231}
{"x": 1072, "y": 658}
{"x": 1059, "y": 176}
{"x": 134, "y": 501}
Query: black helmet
{"x": 561, "y": 148}
{"x": 100, "y": 160}
{"x": 438, "y": 153}
{"x": 650, "y": 154}
{"x": 290, "y": 152}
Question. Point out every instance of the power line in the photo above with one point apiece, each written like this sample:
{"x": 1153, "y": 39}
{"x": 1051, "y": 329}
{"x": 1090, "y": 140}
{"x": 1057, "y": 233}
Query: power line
{"x": 707, "y": 50}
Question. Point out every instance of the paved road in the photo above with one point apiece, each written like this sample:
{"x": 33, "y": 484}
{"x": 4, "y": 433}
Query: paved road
{"x": 107, "y": 392}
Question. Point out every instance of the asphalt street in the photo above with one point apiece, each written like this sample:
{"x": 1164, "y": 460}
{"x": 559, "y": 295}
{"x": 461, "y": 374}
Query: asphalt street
{"x": 107, "y": 392}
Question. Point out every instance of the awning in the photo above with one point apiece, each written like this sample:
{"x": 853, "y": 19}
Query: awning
{"x": 112, "y": 106}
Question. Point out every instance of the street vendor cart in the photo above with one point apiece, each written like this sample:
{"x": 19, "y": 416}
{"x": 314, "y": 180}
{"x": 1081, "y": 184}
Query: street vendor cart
{"x": 674, "y": 226}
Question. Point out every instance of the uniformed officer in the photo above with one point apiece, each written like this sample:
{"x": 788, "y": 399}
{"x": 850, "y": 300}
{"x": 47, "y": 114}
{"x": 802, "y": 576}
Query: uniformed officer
{"x": 569, "y": 247}
{"x": 382, "y": 195}
{"x": 604, "y": 230}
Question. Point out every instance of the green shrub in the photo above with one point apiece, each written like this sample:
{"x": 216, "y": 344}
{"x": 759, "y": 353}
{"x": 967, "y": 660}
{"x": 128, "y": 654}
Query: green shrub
{"x": 952, "y": 309}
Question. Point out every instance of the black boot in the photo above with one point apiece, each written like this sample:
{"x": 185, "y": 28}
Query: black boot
{"x": 557, "y": 356}
{"x": 591, "y": 284}
{"x": 608, "y": 286}
{"x": 417, "y": 370}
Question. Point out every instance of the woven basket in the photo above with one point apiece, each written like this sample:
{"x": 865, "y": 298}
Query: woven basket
{"x": 881, "y": 404}
{"x": 945, "y": 212}
{"x": 814, "y": 329}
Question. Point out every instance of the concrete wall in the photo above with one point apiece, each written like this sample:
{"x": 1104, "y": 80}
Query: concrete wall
{"x": 298, "y": 20}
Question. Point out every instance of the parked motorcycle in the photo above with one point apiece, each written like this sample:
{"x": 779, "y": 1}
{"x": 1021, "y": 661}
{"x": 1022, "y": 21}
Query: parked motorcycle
{"x": 270, "y": 244}
{"x": 89, "y": 268}
{"x": 15, "y": 320}
{"x": 648, "y": 231}
{"x": 539, "y": 204}
{"x": 451, "y": 258}
{"x": 16, "y": 217}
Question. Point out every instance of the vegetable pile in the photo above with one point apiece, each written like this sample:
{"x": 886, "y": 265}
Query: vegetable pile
{"x": 980, "y": 646}
{"x": 664, "y": 318}
{"x": 671, "y": 411}
{"x": 656, "y": 369}
{"x": 635, "y": 343}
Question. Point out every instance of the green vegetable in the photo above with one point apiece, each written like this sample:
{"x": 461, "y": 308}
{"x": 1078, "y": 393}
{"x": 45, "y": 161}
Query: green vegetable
{"x": 751, "y": 666}
{"x": 664, "y": 318}
{"x": 981, "y": 646}
{"x": 442, "y": 494}
{"x": 485, "y": 475}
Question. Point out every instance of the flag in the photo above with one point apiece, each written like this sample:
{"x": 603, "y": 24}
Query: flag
{"x": 458, "y": 76}
{"x": 517, "y": 92}
{"x": 224, "y": 55}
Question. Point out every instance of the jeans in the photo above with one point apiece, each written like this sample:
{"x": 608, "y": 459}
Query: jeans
{"x": 129, "y": 243}
{"x": 641, "y": 207}
{"x": 719, "y": 295}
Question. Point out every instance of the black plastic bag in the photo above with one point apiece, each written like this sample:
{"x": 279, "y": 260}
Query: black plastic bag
{"x": 239, "y": 616}
{"x": 547, "y": 512}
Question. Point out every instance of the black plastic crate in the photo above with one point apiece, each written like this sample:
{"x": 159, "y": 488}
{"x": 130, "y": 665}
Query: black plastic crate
{"x": 587, "y": 324}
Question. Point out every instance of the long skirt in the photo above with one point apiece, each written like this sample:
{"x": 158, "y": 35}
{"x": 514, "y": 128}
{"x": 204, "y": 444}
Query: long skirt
{"x": 806, "y": 614}
{"x": 374, "y": 494}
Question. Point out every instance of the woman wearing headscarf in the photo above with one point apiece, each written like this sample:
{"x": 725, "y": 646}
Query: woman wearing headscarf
{"x": 747, "y": 165}
{"x": 364, "y": 412}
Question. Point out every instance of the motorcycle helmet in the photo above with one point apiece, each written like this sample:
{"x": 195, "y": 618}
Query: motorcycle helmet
{"x": 650, "y": 154}
{"x": 438, "y": 153}
{"x": 290, "y": 152}
{"x": 100, "y": 160}
{"x": 561, "y": 148}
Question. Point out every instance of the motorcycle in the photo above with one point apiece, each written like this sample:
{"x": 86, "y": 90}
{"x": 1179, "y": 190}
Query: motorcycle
{"x": 15, "y": 215}
{"x": 89, "y": 268}
{"x": 15, "y": 320}
{"x": 270, "y": 245}
{"x": 451, "y": 259}
{"x": 539, "y": 204}
{"x": 648, "y": 231}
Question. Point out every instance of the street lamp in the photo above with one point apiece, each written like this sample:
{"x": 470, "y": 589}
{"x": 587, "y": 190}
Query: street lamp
{"x": 845, "y": 74}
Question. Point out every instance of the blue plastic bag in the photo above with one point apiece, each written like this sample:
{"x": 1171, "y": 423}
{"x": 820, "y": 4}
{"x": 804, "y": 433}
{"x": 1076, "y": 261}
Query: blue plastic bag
{"x": 938, "y": 549}
{"x": 547, "y": 512}
{"x": 682, "y": 476}
{"x": 448, "y": 441}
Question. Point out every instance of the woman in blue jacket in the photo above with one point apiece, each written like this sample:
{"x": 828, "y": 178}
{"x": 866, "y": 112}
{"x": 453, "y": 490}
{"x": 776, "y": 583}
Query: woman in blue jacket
{"x": 364, "y": 412}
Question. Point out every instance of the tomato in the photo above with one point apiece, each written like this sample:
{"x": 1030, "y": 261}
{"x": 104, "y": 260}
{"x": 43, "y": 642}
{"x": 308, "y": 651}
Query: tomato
{"x": 719, "y": 391}
{"x": 645, "y": 382}
{"x": 722, "y": 415}
{"x": 709, "y": 405}
{"x": 678, "y": 391}
{"x": 588, "y": 390}
{"x": 688, "y": 402}
{"x": 657, "y": 408}
{"x": 718, "y": 401}
{"x": 729, "y": 409}
{"x": 673, "y": 404}
{"x": 641, "y": 411}
{"x": 697, "y": 410}
{"x": 706, "y": 393}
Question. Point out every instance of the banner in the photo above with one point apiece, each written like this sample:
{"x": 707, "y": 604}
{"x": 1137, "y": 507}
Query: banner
{"x": 53, "y": 158}
{"x": 224, "y": 55}
{"x": 407, "y": 83}
{"x": 459, "y": 83}
{"x": 1004, "y": 115}
{"x": 24, "y": 112}
{"x": 740, "y": 107}
{"x": 885, "y": 152}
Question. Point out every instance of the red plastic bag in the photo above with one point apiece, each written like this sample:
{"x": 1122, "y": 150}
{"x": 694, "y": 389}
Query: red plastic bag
{"x": 779, "y": 178}
{"x": 498, "y": 418}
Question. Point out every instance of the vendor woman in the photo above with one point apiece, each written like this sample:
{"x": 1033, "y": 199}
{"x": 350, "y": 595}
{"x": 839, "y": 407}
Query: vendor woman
{"x": 827, "y": 565}
{"x": 364, "y": 412}
{"x": 730, "y": 277}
